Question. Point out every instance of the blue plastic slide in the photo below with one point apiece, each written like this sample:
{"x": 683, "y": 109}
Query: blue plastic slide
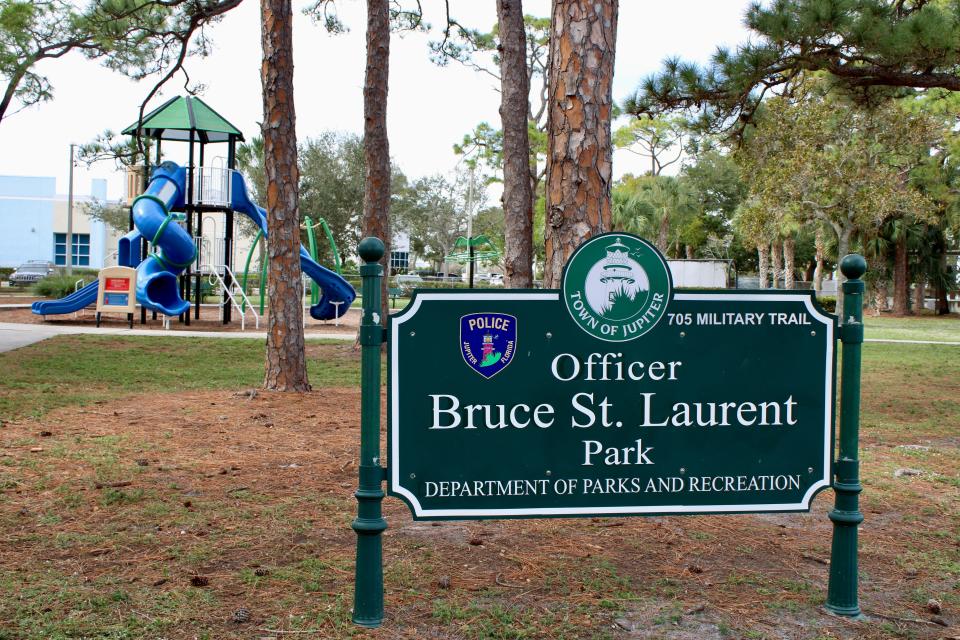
{"x": 157, "y": 286}
{"x": 335, "y": 289}
{"x": 74, "y": 302}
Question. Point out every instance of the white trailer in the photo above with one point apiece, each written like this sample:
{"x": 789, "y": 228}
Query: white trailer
{"x": 713, "y": 274}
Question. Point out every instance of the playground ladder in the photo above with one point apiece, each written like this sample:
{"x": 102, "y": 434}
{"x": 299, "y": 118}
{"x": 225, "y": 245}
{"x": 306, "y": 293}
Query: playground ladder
{"x": 232, "y": 291}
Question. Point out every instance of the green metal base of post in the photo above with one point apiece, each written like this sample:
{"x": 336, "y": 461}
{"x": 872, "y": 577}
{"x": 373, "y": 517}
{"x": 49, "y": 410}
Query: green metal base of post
{"x": 846, "y": 612}
{"x": 369, "y": 525}
{"x": 368, "y": 579}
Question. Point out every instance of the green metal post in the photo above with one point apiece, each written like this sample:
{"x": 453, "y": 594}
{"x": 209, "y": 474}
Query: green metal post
{"x": 369, "y": 523}
{"x": 312, "y": 240}
{"x": 846, "y": 516}
{"x": 333, "y": 246}
{"x": 263, "y": 279}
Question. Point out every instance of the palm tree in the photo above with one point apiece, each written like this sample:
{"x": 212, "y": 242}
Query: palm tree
{"x": 656, "y": 206}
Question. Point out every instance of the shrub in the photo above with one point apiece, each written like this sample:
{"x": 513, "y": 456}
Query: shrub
{"x": 5, "y": 273}
{"x": 60, "y": 286}
{"x": 829, "y": 303}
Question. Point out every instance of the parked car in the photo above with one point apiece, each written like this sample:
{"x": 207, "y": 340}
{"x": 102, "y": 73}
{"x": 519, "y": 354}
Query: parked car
{"x": 496, "y": 279}
{"x": 32, "y": 271}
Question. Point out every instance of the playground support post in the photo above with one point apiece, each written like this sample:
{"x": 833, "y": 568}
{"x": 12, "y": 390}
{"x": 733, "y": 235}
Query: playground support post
{"x": 228, "y": 261}
{"x": 144, "y": 247}
{"x": 842, "y": 598}
{"x": 69, "y": 248}
{"x": 369, "y": 523}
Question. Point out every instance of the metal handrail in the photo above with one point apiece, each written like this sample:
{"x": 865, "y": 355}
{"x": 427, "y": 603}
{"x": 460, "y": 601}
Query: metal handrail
{"x": 215, "y": 278}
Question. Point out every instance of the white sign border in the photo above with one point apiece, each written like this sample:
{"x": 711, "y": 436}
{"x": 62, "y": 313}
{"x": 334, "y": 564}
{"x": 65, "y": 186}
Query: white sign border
{"x": 395, "y": 487}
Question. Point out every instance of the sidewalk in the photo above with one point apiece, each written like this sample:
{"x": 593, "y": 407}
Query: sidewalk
{"x": 15, "y": 335}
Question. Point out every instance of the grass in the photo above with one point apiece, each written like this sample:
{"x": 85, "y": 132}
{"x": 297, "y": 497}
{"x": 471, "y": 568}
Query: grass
{"x": 80, "y": 370}
{"x": 116, "y": 561}
{"x": 927, "y": 327}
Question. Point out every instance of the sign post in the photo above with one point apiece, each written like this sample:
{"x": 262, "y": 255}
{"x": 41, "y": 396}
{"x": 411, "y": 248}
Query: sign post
{"x": 846, "y": 516}
{"x": 369, "y": 523}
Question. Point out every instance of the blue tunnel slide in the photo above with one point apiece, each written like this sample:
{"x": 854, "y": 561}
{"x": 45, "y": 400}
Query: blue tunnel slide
{"x": 157, "y": 286}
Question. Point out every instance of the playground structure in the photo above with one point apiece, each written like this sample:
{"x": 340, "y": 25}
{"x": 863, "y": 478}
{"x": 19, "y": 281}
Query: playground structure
{"x": 167, "y": 248}
{"x": 310, "y": 228}
{"x": 471, "y": 249}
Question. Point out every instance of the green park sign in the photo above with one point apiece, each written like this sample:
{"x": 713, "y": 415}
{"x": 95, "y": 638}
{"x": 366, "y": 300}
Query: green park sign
{"x": 615, "y": 395}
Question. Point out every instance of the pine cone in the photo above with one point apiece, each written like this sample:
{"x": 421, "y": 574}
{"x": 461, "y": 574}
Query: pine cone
{"x": 241, "y": 615}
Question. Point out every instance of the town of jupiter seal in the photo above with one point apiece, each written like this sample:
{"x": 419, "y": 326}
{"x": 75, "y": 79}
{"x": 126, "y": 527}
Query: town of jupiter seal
{"x": 616, "y": 287}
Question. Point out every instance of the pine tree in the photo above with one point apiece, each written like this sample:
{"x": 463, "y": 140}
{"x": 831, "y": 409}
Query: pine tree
{"x": 286, "y": 367}
{"x": 138, "y": 39}
{"x": 580, "y": 107}
{"x": 517, "y": 188}
{"x": 376, "y": 145}
{"x": 864, "y": 45}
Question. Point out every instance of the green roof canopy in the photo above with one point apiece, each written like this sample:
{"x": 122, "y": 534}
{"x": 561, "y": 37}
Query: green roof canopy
{"x": 461, "y": 252}
{"x": 177, "y": 117}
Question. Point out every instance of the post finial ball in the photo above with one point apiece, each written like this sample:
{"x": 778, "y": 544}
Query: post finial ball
{"x": 853, "y": 266}
{"x": 371, "y": 249}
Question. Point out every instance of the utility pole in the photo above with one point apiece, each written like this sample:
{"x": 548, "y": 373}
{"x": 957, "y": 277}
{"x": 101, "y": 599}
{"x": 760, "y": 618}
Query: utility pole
{"x": 470, "y": 260}
{"x": 69, "y": 256}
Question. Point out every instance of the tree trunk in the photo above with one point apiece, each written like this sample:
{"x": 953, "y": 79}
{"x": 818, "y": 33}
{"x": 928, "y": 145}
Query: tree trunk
{"x": 663, "y": 233}
{"x": 942, "y": 305}
{"x": 776, "y": 253}
{"x": 763, "y": 257}
{"x": 789, "y": 249}
{"x": 286, "y": 367}
{"x": 579, "y": 149}
{"x": 376, "y": 146}
{"x": 689, "y": 252}
{"x": 517, "y": 188}
{"x": 919, "y": 296}
{"x": 880, "y": 297}
{"x": 901, "y": 281}
{"x": 818, "y": 270}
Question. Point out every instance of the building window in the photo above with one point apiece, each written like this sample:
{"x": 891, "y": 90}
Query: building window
{"x": 399, "y": 260}
{"x": 80, "y": 247}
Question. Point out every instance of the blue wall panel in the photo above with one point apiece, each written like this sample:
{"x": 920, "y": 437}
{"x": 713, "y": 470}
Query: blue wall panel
{"x": 26, "y": 219}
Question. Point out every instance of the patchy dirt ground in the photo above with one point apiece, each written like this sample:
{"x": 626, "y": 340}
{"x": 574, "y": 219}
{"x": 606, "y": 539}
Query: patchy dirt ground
{"x": 209, "y": 321}
{"x": 227, "y": 515}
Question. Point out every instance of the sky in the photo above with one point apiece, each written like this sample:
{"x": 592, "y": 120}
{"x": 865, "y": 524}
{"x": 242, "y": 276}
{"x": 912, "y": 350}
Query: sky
{"x": 430, "y": 108}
